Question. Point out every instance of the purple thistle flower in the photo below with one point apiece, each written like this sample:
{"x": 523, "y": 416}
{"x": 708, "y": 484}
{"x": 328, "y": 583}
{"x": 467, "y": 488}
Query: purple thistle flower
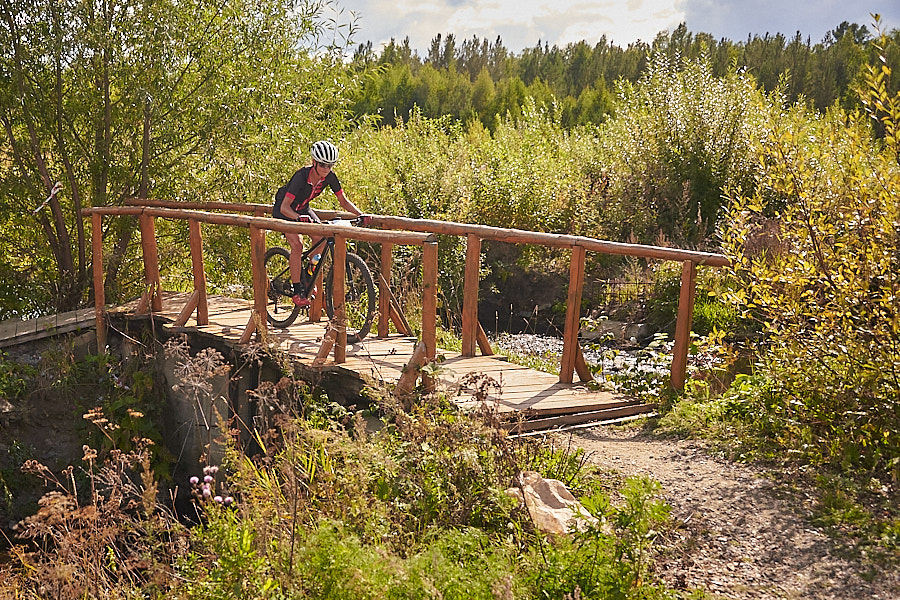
{"x": 195, "y": 480}
{"x": 208, "y": 479}
{"x": 228, "y": 500}
{"x": 213, "y": 469}
{"x": 206, "y": 492}
{"x": 218, "y": 499}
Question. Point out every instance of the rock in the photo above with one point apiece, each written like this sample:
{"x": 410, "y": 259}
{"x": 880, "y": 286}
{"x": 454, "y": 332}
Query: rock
{"x": 552, "y": 507}
{"x": 603, "y": 328}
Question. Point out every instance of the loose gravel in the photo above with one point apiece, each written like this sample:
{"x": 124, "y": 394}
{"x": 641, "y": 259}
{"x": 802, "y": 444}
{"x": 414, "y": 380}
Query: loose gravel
{"x": 738, "y": 534}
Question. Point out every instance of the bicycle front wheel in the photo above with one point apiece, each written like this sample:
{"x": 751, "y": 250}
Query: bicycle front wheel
{"x": 359, "y": 297}
{"x": 280, "y": 308}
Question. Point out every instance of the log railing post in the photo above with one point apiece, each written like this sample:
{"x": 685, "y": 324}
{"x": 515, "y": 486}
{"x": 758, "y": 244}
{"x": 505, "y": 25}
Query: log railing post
{"x": 199, "y": 271}
{"x": 573, "y": 316}
{"x": 339, "y": 294}
{"x": 99, "y": 293}
{"x": 384, "y": 290}
{"x": 260, "y": 285}
{"x": 470, "y": 295}
{"x": 151, "y": 262}
{"x": 318, "y": 303}
{"x": 429, "y": 298}
{"x": 683, "y": 324}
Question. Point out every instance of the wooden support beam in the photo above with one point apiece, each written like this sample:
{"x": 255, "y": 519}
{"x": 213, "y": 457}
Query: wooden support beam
{"x": 584, "y": 372}
{"x": 573, "y": 315}
{"x": 151, "y": 261}
{"x": 143, "y": 305}
{"x": 199, "y": 272}
{"x": 410, "y": 374}
{"x": 470, "y": 295}
{"x": 327, "y": 344}
{"x": 185, "y": 313}
{"x": 684, "y": 324}
{"x": 584, "y": 417}
{"x": 384, "y": 290}
{"x": 318, "y": 303}
{"x": 99, "y": 293}
{"x": 252, "y": 326}
{"x": 484, "y": 344}
{"x": 339, "y": 294}
{"x": 395, "y": 311}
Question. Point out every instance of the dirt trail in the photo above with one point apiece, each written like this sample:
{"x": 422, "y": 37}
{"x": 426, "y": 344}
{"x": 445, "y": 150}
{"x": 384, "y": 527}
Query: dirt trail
{"x": 739, "y": 534}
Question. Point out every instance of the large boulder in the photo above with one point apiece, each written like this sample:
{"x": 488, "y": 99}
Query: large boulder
{"x": 552, "y": 507}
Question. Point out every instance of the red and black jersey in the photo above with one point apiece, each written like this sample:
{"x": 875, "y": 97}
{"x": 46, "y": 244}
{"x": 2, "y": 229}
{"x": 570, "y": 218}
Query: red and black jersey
{"x": 303, "y": 190}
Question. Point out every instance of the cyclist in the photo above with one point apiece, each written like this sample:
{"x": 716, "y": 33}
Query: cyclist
{"x": 292, "y": 204}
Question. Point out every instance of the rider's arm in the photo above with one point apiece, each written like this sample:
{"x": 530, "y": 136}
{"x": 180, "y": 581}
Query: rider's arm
{"x": 286, "y": 208}
{"x": 346, "y": 204}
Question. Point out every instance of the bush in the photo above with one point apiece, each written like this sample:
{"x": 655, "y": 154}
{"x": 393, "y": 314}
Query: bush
{"x": 816, "y": 249}
{"x": 680, "y": 136}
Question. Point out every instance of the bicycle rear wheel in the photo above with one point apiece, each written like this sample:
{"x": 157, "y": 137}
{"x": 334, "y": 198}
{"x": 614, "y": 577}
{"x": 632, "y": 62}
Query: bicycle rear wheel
{"x": 359, "y": 297}
{"x": 280, "y": 308}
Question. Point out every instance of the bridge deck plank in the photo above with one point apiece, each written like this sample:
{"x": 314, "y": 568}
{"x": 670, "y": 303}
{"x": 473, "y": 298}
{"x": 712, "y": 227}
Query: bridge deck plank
{"x": 521, "y": 388}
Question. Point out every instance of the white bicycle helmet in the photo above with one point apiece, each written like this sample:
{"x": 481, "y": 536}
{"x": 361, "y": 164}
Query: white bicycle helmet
{"x": 324, "y": 152}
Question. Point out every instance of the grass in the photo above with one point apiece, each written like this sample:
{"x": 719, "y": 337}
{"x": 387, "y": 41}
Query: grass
{"x": 327, "y": 508}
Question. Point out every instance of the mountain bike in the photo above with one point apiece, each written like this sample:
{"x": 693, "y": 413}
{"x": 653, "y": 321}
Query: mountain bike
{"x": 359, "y": 287}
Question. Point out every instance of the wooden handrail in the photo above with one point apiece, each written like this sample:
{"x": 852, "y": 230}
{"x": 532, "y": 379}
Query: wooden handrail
{"x": 271, "y": 224}
{"x": 401, "y": 226}
{"x": 257, "y": 225}
{"x": 484, "y": 232}
{"x": 519, "y": 236}
{"x": 571, "y": 351}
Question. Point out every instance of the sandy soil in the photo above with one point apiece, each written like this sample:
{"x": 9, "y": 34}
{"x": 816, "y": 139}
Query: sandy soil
{"x": 738, "y": 534}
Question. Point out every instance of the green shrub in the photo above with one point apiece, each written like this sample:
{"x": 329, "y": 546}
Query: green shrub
{"x": 15, "y": 377}
{"x": 816, "y": 250}
{"x": 679, "y": 137}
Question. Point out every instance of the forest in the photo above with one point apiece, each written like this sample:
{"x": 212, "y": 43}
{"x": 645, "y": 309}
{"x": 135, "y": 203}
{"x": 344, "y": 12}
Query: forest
{"x": 481, "y": 79}
{"x": 779, "y": 152}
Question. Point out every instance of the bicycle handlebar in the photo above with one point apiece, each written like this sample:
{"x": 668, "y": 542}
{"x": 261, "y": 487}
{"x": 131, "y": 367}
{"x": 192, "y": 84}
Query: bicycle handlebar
{"x": 357, "y": 221}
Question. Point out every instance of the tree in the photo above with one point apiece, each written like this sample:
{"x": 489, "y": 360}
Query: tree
{"x": 122, "y": 98}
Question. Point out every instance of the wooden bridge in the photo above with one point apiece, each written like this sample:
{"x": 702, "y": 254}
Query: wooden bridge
{"x": 396, "y": 359}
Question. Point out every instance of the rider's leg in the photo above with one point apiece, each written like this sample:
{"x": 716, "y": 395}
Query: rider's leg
{"x": 313, "y": 240}
{"x": 295, "y": 241}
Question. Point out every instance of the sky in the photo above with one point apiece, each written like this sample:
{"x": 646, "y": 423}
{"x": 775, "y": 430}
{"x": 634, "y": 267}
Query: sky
{"x": 522, "y": 23}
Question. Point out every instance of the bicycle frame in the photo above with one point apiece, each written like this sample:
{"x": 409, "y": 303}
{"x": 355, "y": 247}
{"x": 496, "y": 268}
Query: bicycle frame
{"x": 359, "y": 289}
{"x": 325, "y": 247}
{"x": 327, "y": 251}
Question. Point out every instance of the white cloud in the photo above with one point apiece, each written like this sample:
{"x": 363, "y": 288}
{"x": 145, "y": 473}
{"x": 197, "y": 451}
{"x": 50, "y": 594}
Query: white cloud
{"x": 522, "y": 23}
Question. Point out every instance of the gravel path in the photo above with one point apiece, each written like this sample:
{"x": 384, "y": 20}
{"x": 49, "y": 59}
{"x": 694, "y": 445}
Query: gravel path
{"x": 739, "y": 535}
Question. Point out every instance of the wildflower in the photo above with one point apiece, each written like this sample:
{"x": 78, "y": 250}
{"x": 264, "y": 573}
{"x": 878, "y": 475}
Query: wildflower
{"x": 89, "y": 453}
{"x": 195, "y": 480}
{"x": 218, "y": 499}
{"x": 228, "y": 500}
{"x": 207, "y": 478}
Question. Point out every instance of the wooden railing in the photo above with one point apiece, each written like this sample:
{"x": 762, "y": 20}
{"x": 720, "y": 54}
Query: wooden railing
{"x": 151, "y": 300}
{"x": 572, "y": 359}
